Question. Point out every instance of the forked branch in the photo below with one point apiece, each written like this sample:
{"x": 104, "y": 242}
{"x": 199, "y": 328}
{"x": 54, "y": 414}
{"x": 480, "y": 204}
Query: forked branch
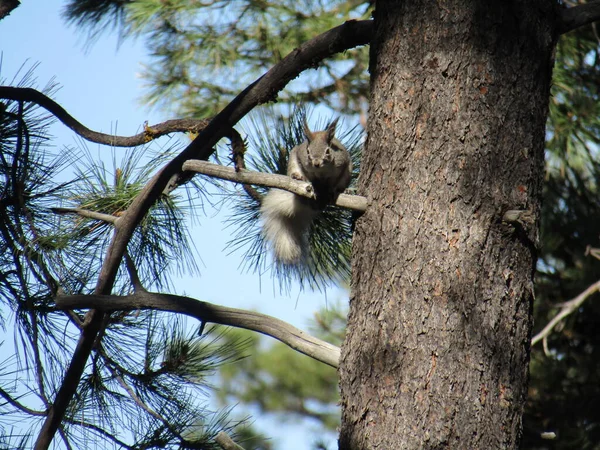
{"x": 207, "y": 312}
{"x": 284, "y": 182}
{"x": 343, "y": 37}
{"x": 266, "y": 88}
{"x": 567, "y": 308}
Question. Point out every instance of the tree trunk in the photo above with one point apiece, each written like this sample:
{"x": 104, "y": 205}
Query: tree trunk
{"x": 437, "y": 346}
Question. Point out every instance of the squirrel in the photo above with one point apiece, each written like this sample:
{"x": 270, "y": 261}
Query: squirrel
{"x": 321, "y": 160}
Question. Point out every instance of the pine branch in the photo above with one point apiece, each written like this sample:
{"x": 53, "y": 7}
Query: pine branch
{"x": 102, "y": 432}
{"x": 19, "y": 406}
{"x": 226, "y": 443}
{"x": 348, "y": 35}
{"x": 138, "y": 401}
{"x": 86, "y": 213}
{"x": 578, "y": 16}
{"x": 303, "y": 188}
{"x": 150, "y": 131}
{"x": 567, "y": 308}
{"x": 208, "y": 312}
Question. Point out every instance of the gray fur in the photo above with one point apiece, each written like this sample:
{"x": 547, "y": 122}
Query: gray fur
{"x": 321, "y": 160}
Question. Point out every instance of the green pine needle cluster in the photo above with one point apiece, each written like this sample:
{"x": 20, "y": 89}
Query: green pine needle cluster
{"x": 161, "y": 244}
{"x": 148, "y": 377}
{"x": 204, "y": 53}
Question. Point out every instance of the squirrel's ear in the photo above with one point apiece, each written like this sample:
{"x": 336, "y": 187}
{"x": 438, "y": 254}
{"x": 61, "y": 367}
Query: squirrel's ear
{"x": 309, "y": 134}
{"x": 331, "y": 129}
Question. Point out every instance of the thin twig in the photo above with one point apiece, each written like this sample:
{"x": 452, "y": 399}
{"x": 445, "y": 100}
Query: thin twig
{"x": 86, "y": 213}
{"x": 102, "y": 432}
{"x": 567, "y": 308}
{"x": 238, "y": 151}
{"x": 208, "y": 312}
{"x": 138, "y": 401}
{"x": 63, "y": 435}
{"x": 303, "y": 188}
{"x": 18, "y": 405}
{"x": 133, "y": 274}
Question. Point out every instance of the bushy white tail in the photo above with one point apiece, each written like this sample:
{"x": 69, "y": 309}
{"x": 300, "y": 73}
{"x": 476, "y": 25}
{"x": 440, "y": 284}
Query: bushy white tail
{"x": 286, "y": 219}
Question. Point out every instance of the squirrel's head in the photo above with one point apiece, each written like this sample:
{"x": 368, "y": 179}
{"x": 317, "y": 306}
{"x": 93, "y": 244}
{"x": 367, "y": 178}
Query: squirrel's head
{"x": 319, "y": 147}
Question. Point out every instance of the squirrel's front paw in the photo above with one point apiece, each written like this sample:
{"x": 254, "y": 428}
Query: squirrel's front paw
{"x": 297, "y": 176}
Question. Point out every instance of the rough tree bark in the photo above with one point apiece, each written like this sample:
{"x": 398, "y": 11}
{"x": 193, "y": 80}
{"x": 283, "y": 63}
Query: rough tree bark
{"x": 437, "y": 345}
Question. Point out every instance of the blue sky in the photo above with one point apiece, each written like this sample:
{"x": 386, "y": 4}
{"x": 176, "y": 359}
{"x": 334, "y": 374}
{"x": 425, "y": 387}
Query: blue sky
{"x": 101, "y": 88}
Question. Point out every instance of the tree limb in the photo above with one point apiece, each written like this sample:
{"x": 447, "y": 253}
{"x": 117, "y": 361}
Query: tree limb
{"x": 208, "y": 312}
{"x": 86, "y": 213}
{"x": 567, "y": 308}
{"x": 226, "y": 443}
{"x": 578, "y": 16}
{"x": 284, "y": 182}
{"x": 150, "y": 131}
{"x": 348, "y": 35}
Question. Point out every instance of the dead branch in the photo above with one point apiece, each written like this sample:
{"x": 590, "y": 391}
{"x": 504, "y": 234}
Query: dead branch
{"x": 284, "y": 182}
{"x": 86, "y": 213}
{"x": 150, "y": 131}
{"x": 566, "y": 309}
{"x": 238, "y": 151}
{"x": 208, "y": 312}
{"x": 578, "y": 16}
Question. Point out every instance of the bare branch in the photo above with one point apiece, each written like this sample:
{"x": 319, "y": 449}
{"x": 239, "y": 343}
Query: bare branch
{"x": 138, "y": 401}
{"x": 578, "y": 16}
{"x": 133, "y": 274}
{"x": 567, "y": 308}
{"x": 348, "y": 35}
{"x": 86, "y": 213}
{"x": 303, "y": 188}
{"x": 208, "y": 312}
{"x": 226, "y": 443}
{"x": 150, "y": 131}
